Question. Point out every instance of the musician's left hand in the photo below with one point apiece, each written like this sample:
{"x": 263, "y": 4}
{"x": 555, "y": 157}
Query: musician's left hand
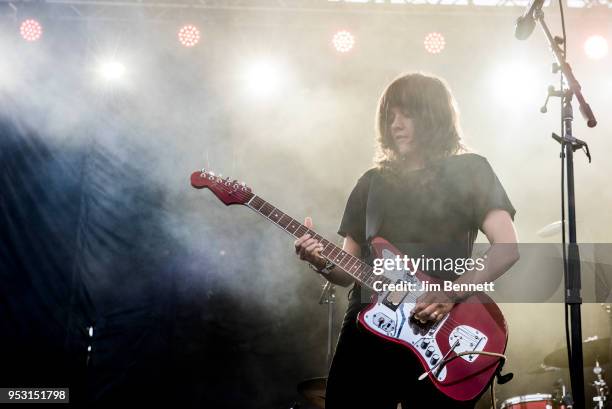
{"x": 432, "y": 306}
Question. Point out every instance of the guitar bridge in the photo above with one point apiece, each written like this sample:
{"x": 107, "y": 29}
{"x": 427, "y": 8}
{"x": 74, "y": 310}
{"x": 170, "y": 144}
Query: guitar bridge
{"x": 468, "y": 339}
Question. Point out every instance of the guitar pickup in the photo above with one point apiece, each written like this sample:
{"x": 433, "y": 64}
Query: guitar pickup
{"x": 395, "y": 298}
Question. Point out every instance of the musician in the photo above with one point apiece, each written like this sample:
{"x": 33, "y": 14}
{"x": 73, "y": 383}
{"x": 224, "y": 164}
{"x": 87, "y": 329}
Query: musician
{"x": 437, "y": 195}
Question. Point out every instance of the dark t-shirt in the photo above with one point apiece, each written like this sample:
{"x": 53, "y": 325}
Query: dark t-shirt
{"x": 437, "y": 218}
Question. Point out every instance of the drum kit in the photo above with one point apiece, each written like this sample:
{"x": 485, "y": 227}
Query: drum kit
{"x": 595, "y": 350}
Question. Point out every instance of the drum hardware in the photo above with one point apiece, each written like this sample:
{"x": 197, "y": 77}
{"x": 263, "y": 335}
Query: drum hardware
{"x": 313, "y": 390}
{"x": 328, "y": 296}
{"x": 561, "y": 395}
{"x": 601, "y": 387}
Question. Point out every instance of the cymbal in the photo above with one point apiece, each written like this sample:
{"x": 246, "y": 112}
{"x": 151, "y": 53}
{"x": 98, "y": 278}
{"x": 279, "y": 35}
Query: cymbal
{"x": 313, "y": 390}
{"x": 542, "y": 369}
{"x": 592, "y": 350}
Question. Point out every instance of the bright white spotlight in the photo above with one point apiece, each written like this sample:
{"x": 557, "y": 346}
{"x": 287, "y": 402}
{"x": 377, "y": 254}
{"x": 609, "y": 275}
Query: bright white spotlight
{"x": 189, "y": 35}
{"x": 343, "y": 41}
{"x": 30, "y": 30}
{"x": 596, "y": 47}
{"x": 264, "y": 78}
{"x": 517, "y": 84}
{"x": 111, "y": 70}
{"x": 434, "y": 43}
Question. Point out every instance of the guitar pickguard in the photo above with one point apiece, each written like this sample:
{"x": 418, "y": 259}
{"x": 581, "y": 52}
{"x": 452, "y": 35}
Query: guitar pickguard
{"x": 390, "y": 316}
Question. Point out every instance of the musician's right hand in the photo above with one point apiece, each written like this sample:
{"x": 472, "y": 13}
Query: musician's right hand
{"x": 309, "y": 249}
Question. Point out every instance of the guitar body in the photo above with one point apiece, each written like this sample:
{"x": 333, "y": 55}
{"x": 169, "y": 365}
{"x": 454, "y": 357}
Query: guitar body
{"x": 477, "y": 324}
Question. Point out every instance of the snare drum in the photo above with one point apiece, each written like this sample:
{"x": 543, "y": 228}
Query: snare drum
{"x": 533, "y": 401}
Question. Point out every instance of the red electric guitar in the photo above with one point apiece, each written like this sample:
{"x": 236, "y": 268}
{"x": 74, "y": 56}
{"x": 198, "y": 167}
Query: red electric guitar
{"x": 460, "y": 353}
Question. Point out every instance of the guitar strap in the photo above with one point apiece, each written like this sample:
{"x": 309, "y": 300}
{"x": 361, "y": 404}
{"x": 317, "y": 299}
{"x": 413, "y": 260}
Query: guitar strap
{"x": 374, "y": 207}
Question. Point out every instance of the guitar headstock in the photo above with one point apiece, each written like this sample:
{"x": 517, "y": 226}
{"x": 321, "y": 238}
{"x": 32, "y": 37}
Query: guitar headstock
{"x": 229, "y": 192}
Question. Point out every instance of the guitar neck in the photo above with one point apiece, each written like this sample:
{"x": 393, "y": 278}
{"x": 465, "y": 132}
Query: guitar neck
{"x": 352, "y": 265}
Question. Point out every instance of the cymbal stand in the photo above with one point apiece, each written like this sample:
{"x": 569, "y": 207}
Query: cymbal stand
{"x": 601, "y": 387}
{"x": 328, "y": 296}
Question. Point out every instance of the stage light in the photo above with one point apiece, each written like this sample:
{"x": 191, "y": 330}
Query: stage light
{"x": 434, "y": 43}
{"x": 31, "y": 30}
{"x": 264, "y": 78}
{"x": 596, "y": 47}
{"x": 189, "y": 35}
{"x": 111, "y": 70}
{"x": 343, "y": 41}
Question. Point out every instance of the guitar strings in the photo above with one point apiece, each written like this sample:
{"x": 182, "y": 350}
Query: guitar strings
{"x": 445, "y": 329}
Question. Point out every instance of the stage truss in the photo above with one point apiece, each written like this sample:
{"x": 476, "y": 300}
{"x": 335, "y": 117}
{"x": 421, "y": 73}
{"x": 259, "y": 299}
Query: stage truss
{"x": 179, "y": 10}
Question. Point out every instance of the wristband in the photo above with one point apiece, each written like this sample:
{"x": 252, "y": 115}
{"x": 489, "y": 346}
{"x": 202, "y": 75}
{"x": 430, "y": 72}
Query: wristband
{"x": 329, "y": 266}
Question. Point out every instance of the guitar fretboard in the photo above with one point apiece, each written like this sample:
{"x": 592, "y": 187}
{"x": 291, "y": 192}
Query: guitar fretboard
{"x": 352, "y": 265}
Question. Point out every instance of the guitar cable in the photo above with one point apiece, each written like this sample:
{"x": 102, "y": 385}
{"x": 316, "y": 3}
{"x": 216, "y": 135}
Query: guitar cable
{"x": 502, "y": 379}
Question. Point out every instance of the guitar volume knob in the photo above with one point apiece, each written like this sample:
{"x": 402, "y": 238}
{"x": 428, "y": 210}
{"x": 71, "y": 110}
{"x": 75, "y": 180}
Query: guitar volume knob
{"x": 429, "y": 351}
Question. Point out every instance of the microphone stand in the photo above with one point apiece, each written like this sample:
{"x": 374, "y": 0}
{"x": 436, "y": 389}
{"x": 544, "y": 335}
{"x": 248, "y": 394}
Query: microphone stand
{"x": 569, "y": 144}
{"x": 328, "y": 296}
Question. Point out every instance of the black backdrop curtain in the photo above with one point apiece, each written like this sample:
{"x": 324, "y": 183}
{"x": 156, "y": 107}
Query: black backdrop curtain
{"x": 83, "y": 246}
{"x": 82, "y": 266}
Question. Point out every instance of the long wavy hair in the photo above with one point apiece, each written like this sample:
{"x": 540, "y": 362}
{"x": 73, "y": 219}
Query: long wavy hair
{"x": 428, "y": 101}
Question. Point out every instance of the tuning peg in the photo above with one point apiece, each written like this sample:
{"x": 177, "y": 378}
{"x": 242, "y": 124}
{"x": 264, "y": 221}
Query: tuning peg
{"x": 211, "y": 173}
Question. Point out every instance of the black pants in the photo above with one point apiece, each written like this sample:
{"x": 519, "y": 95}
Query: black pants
{"x": 371, "y": 373}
